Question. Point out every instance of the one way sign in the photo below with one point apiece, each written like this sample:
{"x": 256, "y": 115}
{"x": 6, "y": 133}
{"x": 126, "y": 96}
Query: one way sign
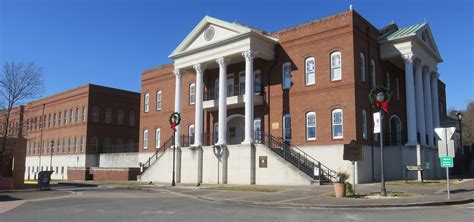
{"x": 445, "y": 145}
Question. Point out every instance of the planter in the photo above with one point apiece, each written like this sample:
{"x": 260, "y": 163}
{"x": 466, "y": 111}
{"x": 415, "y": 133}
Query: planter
{"x": 340, "y": 189}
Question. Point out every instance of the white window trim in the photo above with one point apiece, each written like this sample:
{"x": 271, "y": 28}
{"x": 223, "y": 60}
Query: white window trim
{"x": 147, "y": 102}
{"x": 332, "y": 67}
{"x": 342, "y": 124}
{"x": 157, "y": 138}
{"x": 283, "y": 75}
{"x": 307, "y": 83}
{"x": 145, "y": 139}
{"x": 307, "y": 126}
{"x": 159, "y": 100}
{"x": 192, "y": 93}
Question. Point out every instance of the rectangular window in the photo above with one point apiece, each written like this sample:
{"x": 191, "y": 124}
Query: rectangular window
{"x": 336, "y": 66}
{"x": 54, "y": 120}
{"x": 287, "y": 127}
{"x": 64, "y": 145}
{"x": 84, "y": 114}
{"x": 241, "y": 83}
{"x": 82, "y": 144}
{"x": 76, "y": 143}
{"x": 337, "y": 124}
{"x": 310, "y": 67}
{"x": 158, "y": 138}
{"x": 60, "y": 118}
{"x": 49, "y": 120}
{"x": 216, "y": 89}
{"x": 286, "y": 75}
{"x": 257, "y": 82}
{"x": 147, "y": 102}
{"x": 158, "y": 100}
{"x": 192, "y": 94}
{"x": 145, "y": 139}
{"x": 70, "y": 116}
{"x": 65, "y": 118}
{"x": 230, "y": 85}
{"x": 311, "y": 126}
{"x": 69, "y": 146}
{"x": 76, "y": 120}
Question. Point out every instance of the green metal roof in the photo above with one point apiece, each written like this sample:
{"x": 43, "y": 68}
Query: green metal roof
{"x": 402, "y": 32}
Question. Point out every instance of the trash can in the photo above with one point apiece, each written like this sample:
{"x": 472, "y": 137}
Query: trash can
{"x": 44, "y": 178}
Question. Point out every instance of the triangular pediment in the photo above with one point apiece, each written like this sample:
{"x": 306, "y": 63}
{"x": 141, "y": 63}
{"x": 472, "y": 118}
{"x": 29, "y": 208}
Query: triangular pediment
{"x": 209, "y": 31}
{"x": 426, "y": 36}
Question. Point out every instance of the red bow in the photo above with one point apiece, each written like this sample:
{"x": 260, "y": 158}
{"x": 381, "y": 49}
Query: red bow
{"x": 173, "y": 126}
{"x": 382, "y": 105}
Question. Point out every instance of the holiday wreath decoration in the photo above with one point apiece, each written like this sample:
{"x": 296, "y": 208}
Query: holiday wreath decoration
{"x": 175, "y": 119}
{"x": 384, "y": 94}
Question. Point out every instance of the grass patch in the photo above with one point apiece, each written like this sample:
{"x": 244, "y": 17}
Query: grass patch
{"x": 244, "y": 189}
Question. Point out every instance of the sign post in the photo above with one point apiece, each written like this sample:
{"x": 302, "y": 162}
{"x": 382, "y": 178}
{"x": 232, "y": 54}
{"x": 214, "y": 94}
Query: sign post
{"x": 446, "y": 151}
{"x": 353, "y": 153}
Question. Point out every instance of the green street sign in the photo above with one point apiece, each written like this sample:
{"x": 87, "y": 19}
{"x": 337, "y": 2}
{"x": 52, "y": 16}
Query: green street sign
{"x": 446, "y": 161}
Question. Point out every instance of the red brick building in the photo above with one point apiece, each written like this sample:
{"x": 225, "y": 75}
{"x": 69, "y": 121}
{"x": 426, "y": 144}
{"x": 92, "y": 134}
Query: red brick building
{"x": 78, "y": 126}
{"x": 310, "y": 82}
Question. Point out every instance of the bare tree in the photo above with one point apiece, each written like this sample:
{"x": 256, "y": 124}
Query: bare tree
{"x": 18, "y": 84}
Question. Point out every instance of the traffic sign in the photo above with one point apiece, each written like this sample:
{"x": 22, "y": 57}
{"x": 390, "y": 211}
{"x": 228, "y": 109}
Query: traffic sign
{"x": 445, "y": 134}
{"x": 446, "y": 151}
{"x": 446, "y": 161}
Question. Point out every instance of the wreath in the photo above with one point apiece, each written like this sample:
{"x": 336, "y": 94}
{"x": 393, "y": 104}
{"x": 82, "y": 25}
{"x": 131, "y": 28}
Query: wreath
{"x": 380, "y": 105}
{"x": 175, "y": 119}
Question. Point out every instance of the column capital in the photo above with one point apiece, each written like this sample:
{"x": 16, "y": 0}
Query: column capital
{"x": 177, "y": 73}
{"x": 222, "y": 62}
{"x": 435, "y": 75}
{"x": 199, "y": 67}
{"x": 249, "y": 54}
{"x": 408, "y": 58}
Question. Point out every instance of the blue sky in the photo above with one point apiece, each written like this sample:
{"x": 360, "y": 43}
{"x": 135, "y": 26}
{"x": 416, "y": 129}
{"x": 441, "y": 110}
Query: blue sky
{"x": 110, "y": 42}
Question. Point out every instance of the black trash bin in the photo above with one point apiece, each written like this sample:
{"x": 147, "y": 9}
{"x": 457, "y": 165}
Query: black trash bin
{"x": 44, "y": 178}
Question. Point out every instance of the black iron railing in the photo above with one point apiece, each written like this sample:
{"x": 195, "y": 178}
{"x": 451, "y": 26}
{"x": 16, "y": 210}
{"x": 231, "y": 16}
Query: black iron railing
{"x": 213, "y": 94}
{"x": 158, "y": 152}
{"x": 298, "y": 158}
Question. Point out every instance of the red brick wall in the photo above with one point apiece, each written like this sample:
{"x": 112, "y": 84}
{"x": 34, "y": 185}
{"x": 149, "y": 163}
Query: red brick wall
{"x": 114, "y": 174}
{"x": 77, "y": 173}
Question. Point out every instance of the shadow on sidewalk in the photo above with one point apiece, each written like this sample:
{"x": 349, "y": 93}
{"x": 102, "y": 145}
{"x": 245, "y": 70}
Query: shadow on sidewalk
{"x": 5, "y": 198}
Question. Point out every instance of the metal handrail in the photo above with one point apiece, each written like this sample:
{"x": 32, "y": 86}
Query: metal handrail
{"x": 167, "y": 144}
{"x": 300, "y": 159}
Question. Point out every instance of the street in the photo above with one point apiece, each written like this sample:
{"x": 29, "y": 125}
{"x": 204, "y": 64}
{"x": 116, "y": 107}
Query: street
{"x": 133, "y": 205}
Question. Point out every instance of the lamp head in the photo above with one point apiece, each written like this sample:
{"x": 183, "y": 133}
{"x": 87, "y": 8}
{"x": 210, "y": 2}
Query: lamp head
{"x": 459, "y": 115}
{"x": 380, "y": 97}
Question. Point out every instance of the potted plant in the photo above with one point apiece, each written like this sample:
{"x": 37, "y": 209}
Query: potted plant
{"x": 339, "y": 185}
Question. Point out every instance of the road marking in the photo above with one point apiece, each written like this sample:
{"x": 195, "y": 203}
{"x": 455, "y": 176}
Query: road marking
{"x": 10, "y": 205}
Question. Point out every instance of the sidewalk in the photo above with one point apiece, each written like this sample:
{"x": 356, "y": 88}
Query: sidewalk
{"x": 320, "y": 196}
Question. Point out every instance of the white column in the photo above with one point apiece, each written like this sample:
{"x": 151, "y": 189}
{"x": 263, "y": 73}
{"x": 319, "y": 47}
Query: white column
{"x": 435, "y": 103}
{"x": 249, "y": 79}
{"x": 198, "y": 126}
{"x": 410, "y": 99}
{"x": 428, "y": 107}
{"x": 177, "y": 104}
{"x": 420, "y": 103}
{"x": 222, "y": 101}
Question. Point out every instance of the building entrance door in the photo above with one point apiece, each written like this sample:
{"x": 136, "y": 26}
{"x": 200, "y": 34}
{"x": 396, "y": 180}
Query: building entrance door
{"x": 235, "y": 129}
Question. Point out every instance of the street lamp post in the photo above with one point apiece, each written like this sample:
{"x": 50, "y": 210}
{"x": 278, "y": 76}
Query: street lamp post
{"x": 383, "y": 191}
{"x": 459, "y": 116}
{"x": 174, "y": 120}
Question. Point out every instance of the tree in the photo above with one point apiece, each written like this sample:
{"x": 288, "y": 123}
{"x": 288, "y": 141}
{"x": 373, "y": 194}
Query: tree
{"x": 18, "y": 84}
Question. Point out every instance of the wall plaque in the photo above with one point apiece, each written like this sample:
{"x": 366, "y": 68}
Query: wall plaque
{"x": 262, "y": 161}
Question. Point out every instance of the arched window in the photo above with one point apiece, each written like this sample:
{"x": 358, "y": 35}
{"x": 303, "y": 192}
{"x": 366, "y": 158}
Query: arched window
{"x": 145, "y": 139}
{"x": 64, "y": 145}
{"x": 120, "y": 116}
{"x": 362, "y": 67}
{"x": 58, "y": 145}
{"x": 83, "y": 142}
{"x": 95, "y": 114}
{"x": 131, "y": 118}
{"x": 372, "y": 73}
{"x": 147, "y": 102}
{"x": 65, "y": 117}
{"x": 77, "y": 115}
{"x": 364, "y": 124}
{"x": 395, "y": 130}
{"x": 336, "y": 61}
{"x": 70, "y": 116}
{"x": 108, "y": 115}
{"x": 54, "y": 120}
{"x": 76, "y": 143}
{"x": 287, "y": 127}
{"x": 192, "y": 94}
{"x": 311, "y": 126}
{"x": 310, "y": 69}
{"x": 94, "y": 144}
{"x": 60, "y": 118}
{"x": 191, "y": 134}
{"x": 337, "y": 124}
{"x": 286, "y": 75}
{"x": 69, "y": 145}
{"x": 257, "y": 82}
{"x": 157, "y": 138}
{"x": 158, "y": 100}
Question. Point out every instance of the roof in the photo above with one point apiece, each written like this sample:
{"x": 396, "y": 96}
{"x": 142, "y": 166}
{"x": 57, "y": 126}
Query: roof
{"x": 402, "y": 32}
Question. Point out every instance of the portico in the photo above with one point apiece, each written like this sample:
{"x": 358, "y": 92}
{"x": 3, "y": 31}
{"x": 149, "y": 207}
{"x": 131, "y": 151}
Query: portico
{"x": 216, "y": 44}
{"x": 413, "y": 48}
